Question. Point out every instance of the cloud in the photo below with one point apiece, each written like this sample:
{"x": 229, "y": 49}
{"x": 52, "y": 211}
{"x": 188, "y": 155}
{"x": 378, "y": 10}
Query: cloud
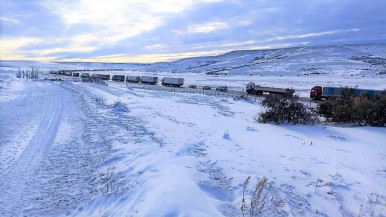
{"x": 308, "y": 35}
{"x": 207, "y": 27}
{"x": 10, "y": 48}
{"x": 8, "y": 20}
{"x": 156, "y": 46}
{"x": 149, "y": 58}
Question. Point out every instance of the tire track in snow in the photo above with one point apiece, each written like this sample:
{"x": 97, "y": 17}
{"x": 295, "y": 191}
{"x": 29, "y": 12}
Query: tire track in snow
{"x": 12, "y": 125}
{"x": 16, "y": 183}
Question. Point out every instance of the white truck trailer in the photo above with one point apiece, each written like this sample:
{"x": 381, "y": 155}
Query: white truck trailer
{"x": 149, "y": 80}
{"x": 133, "y": 79}
{"x": 174, "y": 82}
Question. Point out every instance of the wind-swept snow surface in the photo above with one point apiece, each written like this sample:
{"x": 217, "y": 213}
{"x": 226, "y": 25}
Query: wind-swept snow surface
{"x": 84, "y": 149}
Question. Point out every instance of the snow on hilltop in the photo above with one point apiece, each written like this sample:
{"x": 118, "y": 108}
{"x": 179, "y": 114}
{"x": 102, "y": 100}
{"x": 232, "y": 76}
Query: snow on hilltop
{"x": 330, "y": 59}
{"x": 287, "y": 61}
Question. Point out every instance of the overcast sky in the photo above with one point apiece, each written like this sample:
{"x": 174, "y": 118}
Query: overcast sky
{"x": 165, "y": 30}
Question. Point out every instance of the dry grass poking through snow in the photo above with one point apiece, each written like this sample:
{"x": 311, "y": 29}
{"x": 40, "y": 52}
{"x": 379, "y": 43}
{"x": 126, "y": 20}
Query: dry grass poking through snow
{"x": 261, "y": 200}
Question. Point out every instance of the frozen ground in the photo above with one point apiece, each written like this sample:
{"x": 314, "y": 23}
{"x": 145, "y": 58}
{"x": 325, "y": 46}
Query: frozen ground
{"x": 83, "y": 149}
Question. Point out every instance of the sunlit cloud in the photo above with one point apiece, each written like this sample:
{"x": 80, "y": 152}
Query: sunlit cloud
{"x": 8, "y": 20}
{"x": 156, "y": 46}
{"x": 10, "y": 48}
{"x": 150, "y": 58}
{"x": 313, "y": 34}
{"x": 207, "y": 27}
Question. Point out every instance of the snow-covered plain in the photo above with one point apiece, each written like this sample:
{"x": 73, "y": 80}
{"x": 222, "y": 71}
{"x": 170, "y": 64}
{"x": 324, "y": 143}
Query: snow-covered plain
{"x": 85, "y": 149}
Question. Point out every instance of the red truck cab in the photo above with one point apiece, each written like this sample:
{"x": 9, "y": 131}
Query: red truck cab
{"x": 316, "y": 93}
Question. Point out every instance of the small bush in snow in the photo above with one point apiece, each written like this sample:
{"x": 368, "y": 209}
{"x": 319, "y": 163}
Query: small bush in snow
{"x": 286, "y": 109}
{"x": 374, "y": 206}
{"x": 262, "y": 199}
{"x": 363, "y": 110}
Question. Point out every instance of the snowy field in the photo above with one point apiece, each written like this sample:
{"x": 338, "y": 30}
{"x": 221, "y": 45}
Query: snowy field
{"x": 84, "y": 149}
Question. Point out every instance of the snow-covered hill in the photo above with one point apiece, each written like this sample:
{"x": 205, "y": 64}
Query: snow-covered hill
{"x": 287, "y": 61}
{"x": 330, "y": 59}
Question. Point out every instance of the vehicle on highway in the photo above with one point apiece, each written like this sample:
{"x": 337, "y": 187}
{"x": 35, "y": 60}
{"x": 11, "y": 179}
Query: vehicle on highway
{"x": 105, "y": 77}
{"x": 149, "y": 80}
{"x": 193, "y": 86}
{"x": 85, "y": 75}
{"x": 254, "y": 89}
{"x": 120, "y": 78}
{"x": 222, "y": 88}
{"x": 319, "y": 92}
{"x": 172, "y": 82}
{"x": 133, "y": 79}
{"x": 206, "y": 88}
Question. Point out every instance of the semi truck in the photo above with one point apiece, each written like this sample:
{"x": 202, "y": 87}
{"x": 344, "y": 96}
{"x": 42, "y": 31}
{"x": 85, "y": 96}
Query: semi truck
{"x": 174, "y": 82}
{"x": 120, "y": 78}
{"x": 133, "y": 79}
{"x": 222, "y": 88}
{"x": 85, "y": 75}
{"x": 149, "y": 80}
{"x": 320, "y": 92}
{"x": 252, "y": 88}
{"x": 68, "y": 73}
{"x": 105, "y": 77}
{"x": 96, "y": 77}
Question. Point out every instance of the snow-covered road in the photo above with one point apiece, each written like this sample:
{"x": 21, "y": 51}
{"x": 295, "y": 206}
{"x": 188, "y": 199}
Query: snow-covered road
{"x": 46, "y": 152}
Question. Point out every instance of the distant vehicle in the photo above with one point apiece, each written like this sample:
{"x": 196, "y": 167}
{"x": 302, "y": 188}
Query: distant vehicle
{"x": 120, "y": 78}
{"x": 319, "y": 92}
{"x": 75, "y": 74}
{"x": 68, "y": 73}
{"x": 174, "y": 82}
{"x": 96, "y": 77}
{"x": 193, "y": 86}
{"x": 222, "y": 88}
{"x": 86, "y": 79}
{"x": 133, "y": 79}
{"x": 105, "y": 77}
{"x": 206, "y": 88}
{"x": 252, "y": 88}
{"x": 149, "y": 80}
{"x": 85, "y": 75}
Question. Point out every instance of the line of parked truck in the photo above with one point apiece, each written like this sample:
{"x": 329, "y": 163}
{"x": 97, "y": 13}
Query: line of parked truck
{"x": 316, "y": 93}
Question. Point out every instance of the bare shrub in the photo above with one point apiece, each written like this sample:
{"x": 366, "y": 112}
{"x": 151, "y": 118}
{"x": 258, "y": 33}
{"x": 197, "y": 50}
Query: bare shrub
{"x": 373, "y": 207}
{"x": 286, "y": 109}
{"x": 362, "y": 110}
{"x": 107, "y": 182}
{"x": 262, "y": 199}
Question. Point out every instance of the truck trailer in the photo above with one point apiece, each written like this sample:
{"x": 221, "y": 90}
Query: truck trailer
{"x": 96, "y": 77}
{"x": 174, "y": 82}
{"x": 319, "y": 92}
{"x": 133, "y": 79}
{"x": 85, "y": 75}
{"x": 252, "y": 88}
{"x": 105, "y": 77}
{"x": 120, "y": 78}
{"x": 149, "y": 80}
